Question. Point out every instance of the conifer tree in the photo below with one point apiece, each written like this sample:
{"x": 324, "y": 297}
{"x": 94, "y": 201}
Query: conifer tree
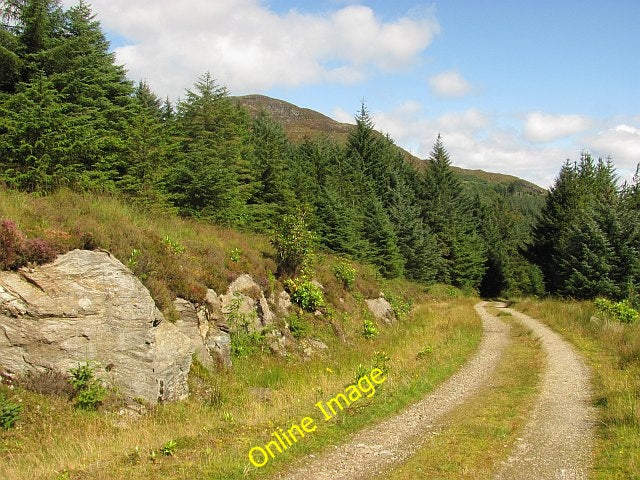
{"x": 148, "y": 149}
{"x": 272, "y": 195}
{"x": 40, "y": 139}
{"x": 205, "y": 180}
{"x": 447, "y": 212}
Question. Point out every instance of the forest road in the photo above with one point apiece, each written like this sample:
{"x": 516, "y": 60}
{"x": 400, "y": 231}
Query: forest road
{"x": 557, "y": 441}
{"x": 395, "y": 439}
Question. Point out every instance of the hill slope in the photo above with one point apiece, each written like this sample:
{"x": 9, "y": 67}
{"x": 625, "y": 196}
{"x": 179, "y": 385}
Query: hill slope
{"x": 300, "y": 123}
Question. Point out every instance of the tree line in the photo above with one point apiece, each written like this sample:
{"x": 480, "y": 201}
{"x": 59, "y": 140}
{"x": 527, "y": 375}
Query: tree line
{"x": 69, "y": 117}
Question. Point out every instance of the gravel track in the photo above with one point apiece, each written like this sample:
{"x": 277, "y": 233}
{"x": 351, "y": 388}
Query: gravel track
{"x": 556, "y": 442}
{"x": 372, "y": 449}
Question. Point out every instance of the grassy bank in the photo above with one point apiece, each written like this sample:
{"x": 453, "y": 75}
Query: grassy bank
{"x": 209, "y": 435}
{"x": 213, "y": 432}
{"x": 613, "y": 352}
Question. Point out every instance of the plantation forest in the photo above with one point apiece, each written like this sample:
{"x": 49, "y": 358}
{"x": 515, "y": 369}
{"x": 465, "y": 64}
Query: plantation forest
{"x": 70, "y": 118}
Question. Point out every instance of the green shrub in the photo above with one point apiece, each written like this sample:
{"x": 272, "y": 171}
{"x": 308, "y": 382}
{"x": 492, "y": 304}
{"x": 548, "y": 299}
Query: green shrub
{"x": 88, "y": 393}
{"x": 172, "y": 246}
{"x": 622, "y": 311}
{"x": 381, "y": 360}
{"x": 400, "y": 306}
{"x": 169, "y": 448}
{"x": 244, "y": 344}
{"x": 235, "y": 255}
{"x": 294, "y": 244}
{"x": 9, "y": 413}
{"x": 369, "y": 330}
{"x": 361, "y": 371}
{"x": 132, "y": 261}
{"x": 425, "y": 352}
{"x": 346, "y": 274}
{"x": 297, "y": 326}
{"x": 306, "y": 294}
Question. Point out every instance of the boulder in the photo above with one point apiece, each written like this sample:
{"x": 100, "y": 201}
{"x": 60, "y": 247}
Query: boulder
{"x": 245, "y": 306}
{"x": 211, "y": 345}
{"x": 86, "y": 306}
{"x": 381, "y": 310}
{"x": 277, "y": 342}
{"x": 195, "y": 328}
{"x": 310, "y": 347}
{"x": 219, "y": 346}
{"x": 284, "y": 303}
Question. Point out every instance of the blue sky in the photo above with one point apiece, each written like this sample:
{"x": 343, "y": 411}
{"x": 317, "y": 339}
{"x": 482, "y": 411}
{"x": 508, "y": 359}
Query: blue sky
{"x": 513, "y": 86}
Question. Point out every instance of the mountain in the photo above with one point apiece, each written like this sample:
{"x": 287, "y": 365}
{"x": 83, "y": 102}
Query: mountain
{"x": 300, "y": 123}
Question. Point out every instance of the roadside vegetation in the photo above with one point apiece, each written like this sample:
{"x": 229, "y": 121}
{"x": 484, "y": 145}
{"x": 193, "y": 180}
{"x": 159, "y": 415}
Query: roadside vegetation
{"x": 612, "y": 349}
{"x": 228, "y": 413}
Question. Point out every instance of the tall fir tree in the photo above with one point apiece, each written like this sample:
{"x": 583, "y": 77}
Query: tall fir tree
{"x": 205, "y": 180}
{"x": 447, "y": 211}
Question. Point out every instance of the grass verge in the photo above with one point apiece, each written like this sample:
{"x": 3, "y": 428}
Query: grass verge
{"x": 613, "y": 352}
{"x": 481, "y": 433}
{"x": 213, "y": 433}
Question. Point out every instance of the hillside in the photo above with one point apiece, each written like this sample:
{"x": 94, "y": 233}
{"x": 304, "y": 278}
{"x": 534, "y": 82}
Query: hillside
{"x": 300, "y": 123}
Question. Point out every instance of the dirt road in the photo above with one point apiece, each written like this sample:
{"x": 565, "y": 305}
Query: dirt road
{"x": 397, "y": 438}
{"x": 557, "y": 441}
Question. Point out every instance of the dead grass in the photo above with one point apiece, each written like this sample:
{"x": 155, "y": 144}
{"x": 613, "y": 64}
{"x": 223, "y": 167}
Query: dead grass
{"x": 613, "y": 351}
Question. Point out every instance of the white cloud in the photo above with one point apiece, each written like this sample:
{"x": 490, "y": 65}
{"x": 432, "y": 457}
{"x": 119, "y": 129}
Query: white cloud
{"x": 621, "y": 142}
{"x": 250, "y": 48}
{"x": 450, "y": 84}
{"x": 543, "y": 127}
{"x": 341, "y": 115}
{"x": 480, "y": 140}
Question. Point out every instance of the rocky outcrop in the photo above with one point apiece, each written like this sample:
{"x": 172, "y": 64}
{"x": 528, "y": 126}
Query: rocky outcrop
{"x": 244, "y": 306}
{"x": 381, "y": 310}
{"x": 310, "y": 347}
{"x": 210, "y": 344}
{"x": 87, "y": 306}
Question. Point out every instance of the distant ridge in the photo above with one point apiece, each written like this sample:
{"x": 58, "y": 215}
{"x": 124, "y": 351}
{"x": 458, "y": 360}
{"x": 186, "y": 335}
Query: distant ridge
{"x": 300, "y": 123}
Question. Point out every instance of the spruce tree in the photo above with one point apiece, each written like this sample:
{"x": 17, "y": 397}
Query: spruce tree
{"x": 41, "y": 140}
{"x": 205, "y": 179}
{"x": 447, "y": 211}
{"x": 271, "y": 157}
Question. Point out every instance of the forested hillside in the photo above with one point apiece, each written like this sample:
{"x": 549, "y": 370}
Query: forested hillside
{"x": 71, "y": 118}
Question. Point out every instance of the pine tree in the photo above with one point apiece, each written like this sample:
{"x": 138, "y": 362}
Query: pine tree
{"x": 205, "y": 180}
{"x": 447, "y": 211}
{"x": 40, "y": 139}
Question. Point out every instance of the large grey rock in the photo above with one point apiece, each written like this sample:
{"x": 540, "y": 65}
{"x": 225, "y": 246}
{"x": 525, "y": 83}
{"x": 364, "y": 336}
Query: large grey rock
{"x": 244, "y": 306}
{"x": 310, "y": 347}
{"x": 195, "y": 327}
{"x": 381, "y": 310}
{"x": 87, "y": 306}
{"x": 219, "y": 346}
{"x": 284, "y": 303}
{"x": 211, "y": 345}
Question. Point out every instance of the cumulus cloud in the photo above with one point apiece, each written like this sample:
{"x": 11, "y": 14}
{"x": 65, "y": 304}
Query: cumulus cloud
{"x": 543, "y": 127}
{"x": 621, "y": 142}
{"x": 249, "y": 47}
{"x": 496, "y": 142}
{"x": 450, "y": 84}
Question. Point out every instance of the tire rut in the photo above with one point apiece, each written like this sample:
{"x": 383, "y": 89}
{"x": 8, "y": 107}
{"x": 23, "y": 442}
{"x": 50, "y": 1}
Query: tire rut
{"x": 375, "y": 448}
{"x": 556, "y": 442}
